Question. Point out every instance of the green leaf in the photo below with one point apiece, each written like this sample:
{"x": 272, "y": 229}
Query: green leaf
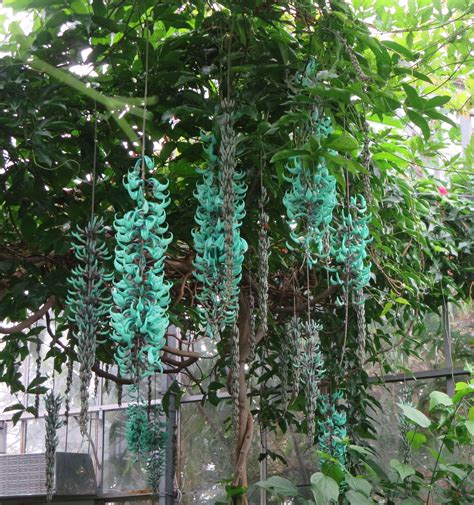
{"x": 361, "y": 450}
{"x": 441, "y": 117}
{"x": 324, "y": 489}
{"x": 437, "y": 101}
{"x": 286, "y": 154}
{"x": 333, "y": 470}
{"x": 395, "y": 46}
{"x": 358, "y": 498}
{"x": 470, "y": 426}
{"x": 359, "y": 484}
{"x": 387, "y": 307}
{"x": 416, "y": 439}
{"x": 278, "y": 486}
{"x": 413, "y": 99}
{"x": 403, "y": 469}
{"x": 415, "y": 415}
{"x": 344, "y": 142}
{"x": 420, "y": 121}
{"x": 16, "y": 406}
{"x": 439, "y": 398}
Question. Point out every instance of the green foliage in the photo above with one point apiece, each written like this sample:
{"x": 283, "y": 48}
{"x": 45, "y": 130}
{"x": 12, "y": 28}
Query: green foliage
{"x": 393, "y": 77}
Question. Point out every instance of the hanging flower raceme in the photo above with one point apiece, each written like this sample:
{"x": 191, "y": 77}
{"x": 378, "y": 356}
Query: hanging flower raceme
{"x": 233, "y": 191}
{"x": 53, "y": 423}
{"x": 88, "y": 302}
{"x": 311, "y": 370}
{"x": 311, "y": 199}
{"x": 309, "y": 206}
{"x": 218, "y": 233}
{"x": 141, "y": 295}
{"x": 263, "y": 269}
{"x": 332, "y": 427}
{"x": 350, "y": 250}
{"x": 146, "y": 437}
{"x": 209, "y": 244}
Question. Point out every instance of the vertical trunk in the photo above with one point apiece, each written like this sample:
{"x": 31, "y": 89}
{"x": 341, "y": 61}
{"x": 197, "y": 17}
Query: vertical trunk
{"x": 246, "y": 422}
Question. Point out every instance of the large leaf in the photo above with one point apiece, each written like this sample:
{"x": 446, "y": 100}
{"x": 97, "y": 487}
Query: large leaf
{"x": 415, "y": 415}
{"x": 438, "y": 398}
{"x": 358, "y": 498}
{"x": 278, "y": 486}
{"x": 420, "y": 121}
{"x": 324, "y": 489}
{"x": 403, "y": 469}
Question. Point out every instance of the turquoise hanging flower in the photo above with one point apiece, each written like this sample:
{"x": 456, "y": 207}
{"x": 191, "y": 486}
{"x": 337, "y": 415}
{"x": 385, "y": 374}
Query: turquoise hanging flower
{"x": 88, "y": 303}
{"x": 349, "y": 249}
{"x": 310, "y": 365}
{"x": 332, "y": 427}
{"x": 141, "y": 295}
{"x": 209, "y": 237}
{"x": 146, "y": 437}
{"x": 309, "y": 206}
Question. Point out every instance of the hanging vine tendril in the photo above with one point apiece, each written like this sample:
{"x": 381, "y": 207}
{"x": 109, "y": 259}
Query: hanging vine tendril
{"x": 141, "y": 295}
{"x": 53, "y": 423}
{"x": 293, "y": 337}
{"x": 67, "y": 392}
{"x": 252, "y": 330}
{"x": 88, "y": 303}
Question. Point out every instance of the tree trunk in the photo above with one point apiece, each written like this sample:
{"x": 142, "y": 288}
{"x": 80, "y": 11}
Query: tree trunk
{"x": 246, "y": 422}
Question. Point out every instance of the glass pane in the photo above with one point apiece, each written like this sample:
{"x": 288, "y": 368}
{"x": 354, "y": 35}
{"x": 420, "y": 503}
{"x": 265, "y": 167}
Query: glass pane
{"x": 35, "y": 433}
{"x": 206, "y": 453}
{"x": 13, "y": 438}
{"x": 298, "y": 453}
{"x": 462, "y": 333}
{"x": 390, "y": 425}
{"x": 121, "y": 472}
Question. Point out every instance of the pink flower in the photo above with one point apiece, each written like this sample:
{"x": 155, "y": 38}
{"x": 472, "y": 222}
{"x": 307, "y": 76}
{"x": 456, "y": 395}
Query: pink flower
{"x": 442, "y": 190}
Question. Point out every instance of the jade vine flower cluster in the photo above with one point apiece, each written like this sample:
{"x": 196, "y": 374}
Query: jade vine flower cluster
{"x": 141, "y": 295}
{"x": 146, "y": 438}
{"x": 88, "y": 302}
{"x": 209, "y": 243}
{"x": 332, "y": 427}
{"x": 350, "y": 247}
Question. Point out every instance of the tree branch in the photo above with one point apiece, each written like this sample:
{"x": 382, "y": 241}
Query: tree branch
{"x": 32, "y": 319}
